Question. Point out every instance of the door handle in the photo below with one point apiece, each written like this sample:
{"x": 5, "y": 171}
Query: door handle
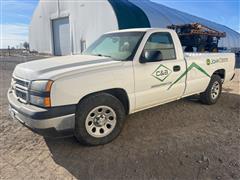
{"x": 176, "y": 68}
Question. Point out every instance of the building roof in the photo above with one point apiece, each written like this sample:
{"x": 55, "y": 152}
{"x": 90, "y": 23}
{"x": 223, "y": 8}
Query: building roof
{"x": 89, "y": 19}
{"x": 162, "y": 16}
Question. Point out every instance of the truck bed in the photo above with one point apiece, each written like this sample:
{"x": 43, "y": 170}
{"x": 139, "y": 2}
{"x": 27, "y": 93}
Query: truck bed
{"x": 201, "y": 66}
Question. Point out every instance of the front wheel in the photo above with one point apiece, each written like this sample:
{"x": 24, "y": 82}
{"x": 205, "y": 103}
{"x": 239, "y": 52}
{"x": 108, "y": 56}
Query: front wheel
{"x": 213, "y": 91}
{"x": 99, "y": 119}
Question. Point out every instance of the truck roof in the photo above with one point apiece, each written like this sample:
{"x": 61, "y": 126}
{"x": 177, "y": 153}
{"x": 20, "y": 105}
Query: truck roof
{"x": 140, "y": 30}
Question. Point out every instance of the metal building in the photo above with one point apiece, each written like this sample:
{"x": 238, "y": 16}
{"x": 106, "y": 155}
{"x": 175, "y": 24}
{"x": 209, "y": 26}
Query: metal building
{"x": 63, "y": 27}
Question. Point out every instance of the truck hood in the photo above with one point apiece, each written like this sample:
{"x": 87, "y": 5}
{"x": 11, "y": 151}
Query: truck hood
{"x": 52, "y": 68}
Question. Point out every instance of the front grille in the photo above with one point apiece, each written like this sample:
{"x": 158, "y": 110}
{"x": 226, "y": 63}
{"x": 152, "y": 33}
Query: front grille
{"x": 22, "y": 83}
{"x": 20, "y": 88}
{"x": 21, "y": 94}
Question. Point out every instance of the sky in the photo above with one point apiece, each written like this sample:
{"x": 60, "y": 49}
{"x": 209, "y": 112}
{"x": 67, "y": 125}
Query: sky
{"x": 15, "y": 15}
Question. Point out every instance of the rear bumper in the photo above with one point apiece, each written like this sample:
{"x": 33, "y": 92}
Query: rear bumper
{"x": 50, "y": 122}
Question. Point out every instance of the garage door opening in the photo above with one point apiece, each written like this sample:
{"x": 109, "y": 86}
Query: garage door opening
{"x": 61, "y": 36}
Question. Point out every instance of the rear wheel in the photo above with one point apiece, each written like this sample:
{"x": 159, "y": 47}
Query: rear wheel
{"x": 99, "y": 119}
{"x": 213, "y": 91}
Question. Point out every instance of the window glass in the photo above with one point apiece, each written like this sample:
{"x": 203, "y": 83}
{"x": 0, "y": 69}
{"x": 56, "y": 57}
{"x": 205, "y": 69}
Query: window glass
{"x": 161, "y": 42}
{"x": 118, "y": 46}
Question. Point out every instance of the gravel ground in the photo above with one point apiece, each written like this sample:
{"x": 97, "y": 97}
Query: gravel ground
{"x": 180, "y": 140}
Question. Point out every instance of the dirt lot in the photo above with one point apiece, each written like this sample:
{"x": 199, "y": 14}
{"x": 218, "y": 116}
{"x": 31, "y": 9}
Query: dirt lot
{"x": 180, "y": 140}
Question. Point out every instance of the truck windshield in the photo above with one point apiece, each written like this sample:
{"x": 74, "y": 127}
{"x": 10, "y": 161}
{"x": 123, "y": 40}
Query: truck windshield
{"x": 119, "y": 46}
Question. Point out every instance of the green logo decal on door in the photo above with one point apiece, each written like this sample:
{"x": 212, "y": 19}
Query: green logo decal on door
{"x": 193, "y": 65}
{"x": 161, "y": 73}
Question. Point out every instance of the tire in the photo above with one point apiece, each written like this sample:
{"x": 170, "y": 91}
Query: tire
{"x": 213, "y": 91}
{"x": 94, "y": 127}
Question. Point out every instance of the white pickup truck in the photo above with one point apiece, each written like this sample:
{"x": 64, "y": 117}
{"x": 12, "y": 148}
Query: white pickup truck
{"x": 123, "y": 72}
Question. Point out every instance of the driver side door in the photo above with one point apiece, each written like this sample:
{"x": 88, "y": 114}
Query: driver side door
{"x": 155, "y": 74}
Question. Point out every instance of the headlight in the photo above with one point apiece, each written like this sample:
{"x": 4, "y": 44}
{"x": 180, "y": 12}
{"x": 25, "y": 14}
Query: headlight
{"x": 41, "y": 85}
{"x": 40, "y": 93}
{"x": 40, "y": 101}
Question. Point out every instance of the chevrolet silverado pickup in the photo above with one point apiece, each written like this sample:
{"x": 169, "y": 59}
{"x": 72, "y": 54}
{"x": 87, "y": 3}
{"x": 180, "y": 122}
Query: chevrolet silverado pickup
{"x": 121, "y": 73}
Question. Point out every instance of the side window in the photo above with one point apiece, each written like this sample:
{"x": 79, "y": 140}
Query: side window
{"x": 159, "y": 47}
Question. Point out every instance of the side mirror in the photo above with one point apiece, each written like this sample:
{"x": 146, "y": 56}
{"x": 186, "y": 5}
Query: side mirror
{"x": 151, "y": 56}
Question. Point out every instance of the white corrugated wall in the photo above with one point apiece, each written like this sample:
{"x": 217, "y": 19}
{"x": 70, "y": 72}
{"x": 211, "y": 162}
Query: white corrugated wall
{"x": 88, "y": 20}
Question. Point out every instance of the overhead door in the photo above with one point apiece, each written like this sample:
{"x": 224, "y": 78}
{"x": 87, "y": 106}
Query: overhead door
{"x": 61, "y": 36}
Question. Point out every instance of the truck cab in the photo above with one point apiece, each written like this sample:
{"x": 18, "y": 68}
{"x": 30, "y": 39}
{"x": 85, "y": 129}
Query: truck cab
{"x": 121, "y": 73}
